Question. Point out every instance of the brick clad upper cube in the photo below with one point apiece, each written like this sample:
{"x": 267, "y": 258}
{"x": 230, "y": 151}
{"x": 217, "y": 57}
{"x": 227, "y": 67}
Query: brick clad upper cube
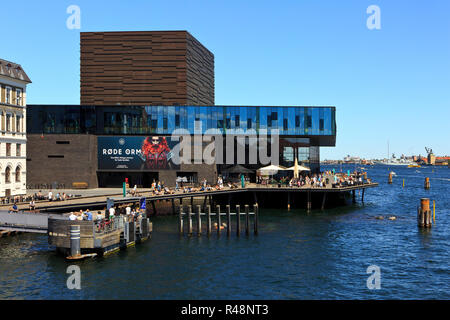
{"x": 145, "y": 68}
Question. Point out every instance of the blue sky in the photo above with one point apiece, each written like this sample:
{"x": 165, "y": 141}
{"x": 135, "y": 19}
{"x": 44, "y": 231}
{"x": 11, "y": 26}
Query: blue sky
{"x": 388, "y": 84}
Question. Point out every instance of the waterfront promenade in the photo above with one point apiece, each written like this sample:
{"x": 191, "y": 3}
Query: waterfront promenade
{"x": 98, "y": 197}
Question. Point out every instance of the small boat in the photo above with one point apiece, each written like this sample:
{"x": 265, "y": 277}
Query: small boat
{"x": 414, "y": 166}
{"x": 393, "y": 173}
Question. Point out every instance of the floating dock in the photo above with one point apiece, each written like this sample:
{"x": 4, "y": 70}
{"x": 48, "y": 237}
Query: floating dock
{"x": 100, "y": 238}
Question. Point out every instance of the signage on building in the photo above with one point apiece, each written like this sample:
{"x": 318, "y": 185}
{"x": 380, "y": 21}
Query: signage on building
{"x": 136, "y": 153}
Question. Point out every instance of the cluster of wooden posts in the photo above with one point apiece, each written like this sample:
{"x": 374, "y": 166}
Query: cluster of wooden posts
{"x": 218, "y": 225}
{"x": 427, "y": 184}
{"x": 424, "y": 217}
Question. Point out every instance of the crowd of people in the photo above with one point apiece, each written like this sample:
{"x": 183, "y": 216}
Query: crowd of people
{"x": 327, "y": 179}
{"x": 105, "y": 218}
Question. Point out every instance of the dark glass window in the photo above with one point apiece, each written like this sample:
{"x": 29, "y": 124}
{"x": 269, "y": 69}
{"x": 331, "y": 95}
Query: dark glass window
{"x": 237, "y": 121}
{"x": 249, "y": 123}
{"x": 165, "y": 123}
{"x": 228, "y": 123}
{"x": 309, "y": 121}
{"x": 285, "y": 124}
{"x": 321, "y": 124}
{"x": 297, "y": 121}
{"x": 177, "y": 120}
{"x": 269, "y": 121}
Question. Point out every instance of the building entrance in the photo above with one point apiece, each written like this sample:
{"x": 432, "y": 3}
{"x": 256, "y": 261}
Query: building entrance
{"x": 116, "y": 179}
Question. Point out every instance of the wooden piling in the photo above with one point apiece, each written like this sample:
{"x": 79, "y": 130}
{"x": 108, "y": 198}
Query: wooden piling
{"x": 255, "y": 198}
{"x": 173, "y": 206}
{"x": 154, "y": 208}
{"x": 246, "y": 220}
{"x": 180, "y": 220}
{"x": 289, "y": 201}
{"x": 390, "y": 178}
{"x": 255, "y": 218}
{"x": 218, "y": 219}
{"x": 228, "y": 221}
{"x": 189, "y": 220}
{"x": 427, "y": 183}
{"x": 199, "y": 221}
{"x": 238, "y": 220}
{"x": 208, "y": 219}
{"x": 324, "y": 199}
{"x": 424, "y": 213}
{"x": 362, "y": 196}
{"x": 353, "y": 196}
{"x": 308, "y": 204}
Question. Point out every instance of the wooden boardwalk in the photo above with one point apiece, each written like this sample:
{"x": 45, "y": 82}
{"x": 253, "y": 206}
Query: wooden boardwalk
{"x": 100, "y": 200}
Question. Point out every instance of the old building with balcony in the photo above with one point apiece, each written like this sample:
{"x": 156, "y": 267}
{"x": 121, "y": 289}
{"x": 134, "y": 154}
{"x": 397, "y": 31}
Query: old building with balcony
{"x": 13, "y": 83}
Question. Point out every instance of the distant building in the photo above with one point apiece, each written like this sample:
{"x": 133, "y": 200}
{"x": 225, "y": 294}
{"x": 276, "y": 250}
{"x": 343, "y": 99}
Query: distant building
{"x": 13, "y": 83}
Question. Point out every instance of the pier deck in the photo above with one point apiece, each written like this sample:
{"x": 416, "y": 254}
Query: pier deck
{"x": 99, "y": 201}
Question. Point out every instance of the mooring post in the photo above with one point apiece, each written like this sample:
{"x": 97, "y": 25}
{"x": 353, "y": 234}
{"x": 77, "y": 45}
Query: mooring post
{"x": 218, "y": 219}
{"x": 192, "y": 201}
{"x": 323, "y": 200}
{"x": 289, "y": 200}
{"x": 362, "y": 196}
{"x": 208, "y": 219}
{"x": 246, "y": 220}
{"x": 427, "y": 183}
{"x": 353, "y": 196}
{"x": 424, "y": 213}
{"x": 308, "y": 205}
{"x": 255, "y": 218}
{"x": 238, "y": 220}
{"x": 390, "y": 178}
{"x": 173, "y": 206}
{"x": 228, "y": 221}
{"x": 189, "y": 220}
{"x": 180, "y": 221}
{"x": 199, "y": 221}
{"x": 75, "y": 241}
{"x": 204, "y": 202}
{"x": 154, "y": 208}
{"x": 254, "y": 197}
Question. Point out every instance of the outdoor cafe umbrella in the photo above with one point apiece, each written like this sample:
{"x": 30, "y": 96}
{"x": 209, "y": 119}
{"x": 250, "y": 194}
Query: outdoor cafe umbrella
{"x": 270, "y": 170}
{"x": 297, "y": 168}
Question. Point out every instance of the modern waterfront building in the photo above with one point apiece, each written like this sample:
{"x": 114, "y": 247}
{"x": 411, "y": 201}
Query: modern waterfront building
{"x": 74, "y": 143}
{"x": 13, "y": 83}
{"x": 136, "y": 88}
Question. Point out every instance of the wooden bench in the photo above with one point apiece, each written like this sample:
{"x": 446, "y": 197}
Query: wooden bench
{"x": 79, "y": 185}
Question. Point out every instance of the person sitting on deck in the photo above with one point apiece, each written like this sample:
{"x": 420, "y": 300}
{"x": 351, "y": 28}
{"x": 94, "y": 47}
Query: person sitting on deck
{"x": 168, "y": 191}
{"x": 72, "y": 216}
{"x": 88, "y": 215}
{"x": 99, "y": 216}
{"x": 32, "y": 205}
{"x": 14, "y": 208}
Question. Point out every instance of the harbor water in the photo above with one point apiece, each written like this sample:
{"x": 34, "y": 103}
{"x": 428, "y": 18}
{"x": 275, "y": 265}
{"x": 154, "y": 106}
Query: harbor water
{"x": 320, "y": 255}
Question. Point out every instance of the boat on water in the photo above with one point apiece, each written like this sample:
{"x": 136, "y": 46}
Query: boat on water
{"x": 414, "y": 166}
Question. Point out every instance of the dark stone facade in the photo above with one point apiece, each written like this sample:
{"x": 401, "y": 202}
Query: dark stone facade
{"x": 68, "y": 158}
{"x": 61, "y": 159}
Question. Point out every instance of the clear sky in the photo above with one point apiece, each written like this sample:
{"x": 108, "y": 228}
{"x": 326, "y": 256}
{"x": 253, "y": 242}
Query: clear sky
{"x": 387, "y": 84}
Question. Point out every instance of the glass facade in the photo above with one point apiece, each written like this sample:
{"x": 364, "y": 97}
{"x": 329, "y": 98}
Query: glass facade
{"x": 163, "y": 120}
